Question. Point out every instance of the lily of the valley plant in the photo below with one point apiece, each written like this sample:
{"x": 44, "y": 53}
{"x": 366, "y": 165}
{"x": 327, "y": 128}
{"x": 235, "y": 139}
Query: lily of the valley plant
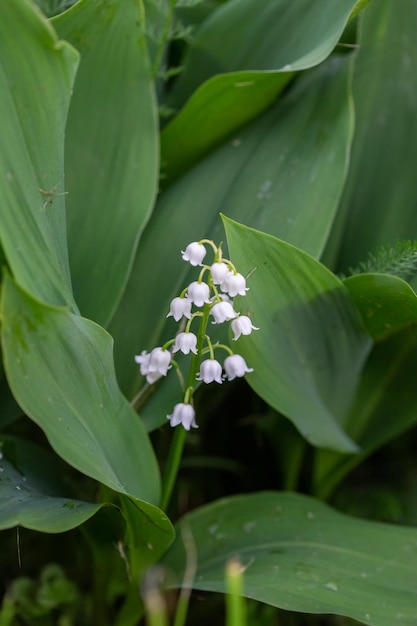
{"x": 211, "y": 295}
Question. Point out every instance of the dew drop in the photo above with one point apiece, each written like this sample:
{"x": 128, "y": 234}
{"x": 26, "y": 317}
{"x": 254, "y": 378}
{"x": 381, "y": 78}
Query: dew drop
{"x": 213, "y": 529}
{"x": 310, "y": 515}
{"x": 332, "y": 586}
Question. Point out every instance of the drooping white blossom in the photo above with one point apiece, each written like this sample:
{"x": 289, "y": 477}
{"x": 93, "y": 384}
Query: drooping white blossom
{"x": 242, "y": 325}
{"x": 143, "y": 360}
{"x": 180, "y": 307}
{"x": 219, "y": 272}
{"x": 235, "y": 367}
{"x": 223, "y": 312}
{"x": 234, "y": 284}
{"x": 186, "y": 343}
{"x": 194, "y": 253}
{"x": 210, "y": 371}
{"x": 159, "y": 361}
{"x": 183, "y": 414}
{"x": 198, "y": 293}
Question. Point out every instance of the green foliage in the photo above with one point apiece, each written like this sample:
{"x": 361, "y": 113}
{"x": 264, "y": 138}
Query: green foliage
{"x": 399, "y": 260}
{"x": 297, "y": 122}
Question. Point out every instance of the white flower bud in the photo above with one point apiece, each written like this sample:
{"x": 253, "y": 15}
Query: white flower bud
{"x": 159, "y": 361}
{"x": 198, "y": 293}
{"x": 219, "y": 272}
{"x": 235, "y": 367}
{"x": 234, "y": 284}
{"x": 194, "y": 253}
{"x": 242, "y": 325}
{"x": 186, "y": 342}
{"x": 183, "y": 414}
{"x": 222, "y": 312}
{"x": 210, "y": 371}
{"x": 180, "y": 307}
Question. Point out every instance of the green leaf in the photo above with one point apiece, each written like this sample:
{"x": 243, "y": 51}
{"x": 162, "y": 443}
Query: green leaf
{"x": 299, "y": 554}
{"x": 60, "y": 369}
{"x": 294, "y": 36}
{"x": 388, "y": 307}
{"x": 218, "y": 108}
{"x": 261, "y": 177}
{"x": 276, "y": 35}
{"x": 33, "y": 494}
{"x": 111, "y": 149}
{"x": 385, "y": 407}
{"x": 36, "y": 77}
{"x": 31, "y": 491}
{"x": 378, "y": 205}
{"x": 387, "y": 304}
{"x": 311, "y": 347}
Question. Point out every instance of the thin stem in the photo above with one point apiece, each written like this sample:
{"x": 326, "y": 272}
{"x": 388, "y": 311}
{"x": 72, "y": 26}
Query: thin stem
{"x": 177, "y": 446}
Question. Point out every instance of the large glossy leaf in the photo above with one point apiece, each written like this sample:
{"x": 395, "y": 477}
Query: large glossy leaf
{"x": 284, "y": 173}
{"x": 276, "y": 35}
{"x": 379, "y": 201}
{"x": 301, "y": 555}
{"x": 31, "y": 491}
{"x": 289, "y": 37}
{"x": 60, "y": 369}
{"x": 386, "y": 403}
{"x": 34, "y": 494}
{"x": 36, "y": 77}
{"x": 111, "y": 150}
{"x": 311, "y": 347}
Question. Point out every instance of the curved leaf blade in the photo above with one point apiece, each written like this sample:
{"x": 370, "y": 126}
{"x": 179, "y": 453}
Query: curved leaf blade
{"x": 36, "y": 77}
{"x": 299, "y": 554}
{"x": 276, "y": 35}
{"x": 60, "y": 369}
{"x": 111, "y": 149}
{"x": 311, "y": 348}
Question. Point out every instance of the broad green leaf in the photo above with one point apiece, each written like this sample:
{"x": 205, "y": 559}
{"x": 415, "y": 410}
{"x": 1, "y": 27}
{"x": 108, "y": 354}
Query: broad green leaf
{"x": 284, "y": 173}
{"x": 36, "y": 77}
{"x": 379, "y": 205}
{"x": 387, "y": 303}
{"x": 311, "y": 347}
{"x": 299, "y": 554}
{"x": 31, "y": 491}
{"x": 385, "y": 406}
{"x": 386, "y": 403}
{"x": 60, "y": 369}
{"x": 275, "y": 35}
{"x": 111, "y": 149}
{"x": 33, "y": 494}
{"x": 289, "y": 37}
{"x": 220, "y": 107}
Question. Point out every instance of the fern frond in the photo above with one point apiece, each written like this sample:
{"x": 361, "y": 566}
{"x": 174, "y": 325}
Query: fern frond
{"x": 399, "y": 260}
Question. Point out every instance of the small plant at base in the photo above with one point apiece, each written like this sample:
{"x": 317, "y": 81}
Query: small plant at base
{"x": 211, "y": 294}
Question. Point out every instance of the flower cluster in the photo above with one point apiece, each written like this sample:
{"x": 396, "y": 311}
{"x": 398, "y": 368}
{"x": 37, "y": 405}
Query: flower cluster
{"x": 210, "y": 296}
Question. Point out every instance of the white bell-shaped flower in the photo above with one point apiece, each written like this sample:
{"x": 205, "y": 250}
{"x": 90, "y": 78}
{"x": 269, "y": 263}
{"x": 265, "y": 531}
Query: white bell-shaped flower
{"x": 143, "y": 360}
{"x": 194, "y": 253}
{"x": 219, "y": 272}
{"x": 186, "y": 343}
{"x": 235, "y": 367}
{"x": 159, "y": 361}
{"x": 183, "y": 414}
{"x": 198, "y": 293}
{"x": 242, "y": 325}
{"x": 210, "y": 371}
{"x": 234, "y": 284}
{"x": 152, "y": 377}
{"x": 223, "y": 312}
{"x": 180, "y": 307}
